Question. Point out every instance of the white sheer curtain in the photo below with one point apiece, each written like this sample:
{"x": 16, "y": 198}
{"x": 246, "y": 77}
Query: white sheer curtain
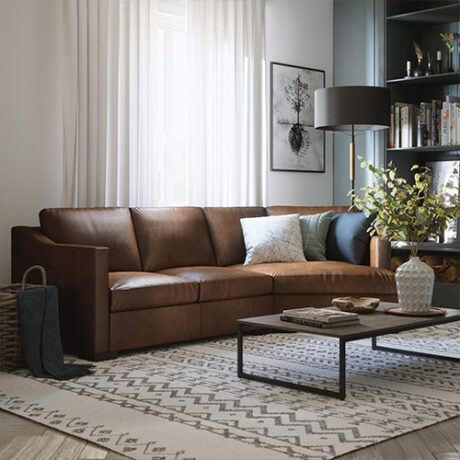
{"x": 163, "y": 102}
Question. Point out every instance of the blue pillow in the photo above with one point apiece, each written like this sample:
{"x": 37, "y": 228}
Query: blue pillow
{"x": 348, "y": 239}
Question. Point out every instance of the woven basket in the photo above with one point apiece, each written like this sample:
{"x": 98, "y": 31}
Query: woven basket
{"x": 10, "y": 341}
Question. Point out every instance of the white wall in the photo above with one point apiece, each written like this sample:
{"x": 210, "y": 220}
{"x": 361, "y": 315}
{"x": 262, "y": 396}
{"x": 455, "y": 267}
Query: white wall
{"x": 30, "y": 142}
{"x": 300, "y": 32}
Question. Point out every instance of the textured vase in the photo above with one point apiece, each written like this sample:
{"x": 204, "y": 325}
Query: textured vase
{"x": 414, "y": 283}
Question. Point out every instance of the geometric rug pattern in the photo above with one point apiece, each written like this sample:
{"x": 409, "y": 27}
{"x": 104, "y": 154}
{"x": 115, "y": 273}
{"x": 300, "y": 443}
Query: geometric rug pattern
{"x": 186, "y": 402}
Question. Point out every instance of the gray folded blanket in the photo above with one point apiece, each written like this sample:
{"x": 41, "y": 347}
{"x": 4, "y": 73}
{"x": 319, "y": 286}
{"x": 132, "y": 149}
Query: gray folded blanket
{"x": 38, "y": 311}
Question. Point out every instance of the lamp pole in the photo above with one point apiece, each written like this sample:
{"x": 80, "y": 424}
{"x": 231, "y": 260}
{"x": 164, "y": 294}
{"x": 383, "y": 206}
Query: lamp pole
{"x": 352, "y": 160}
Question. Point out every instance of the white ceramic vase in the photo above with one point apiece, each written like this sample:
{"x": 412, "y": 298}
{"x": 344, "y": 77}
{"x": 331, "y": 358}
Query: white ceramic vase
{"x": 414, "y": 283}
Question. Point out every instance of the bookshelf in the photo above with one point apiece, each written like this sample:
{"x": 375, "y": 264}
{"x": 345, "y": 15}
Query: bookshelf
{"x": 423, "y": 21}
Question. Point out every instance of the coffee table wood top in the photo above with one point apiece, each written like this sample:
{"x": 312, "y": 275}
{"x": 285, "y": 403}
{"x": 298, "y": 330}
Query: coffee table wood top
{"x": 372, "y": 324}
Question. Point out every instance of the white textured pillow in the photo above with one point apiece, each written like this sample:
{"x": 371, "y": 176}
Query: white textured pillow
{"x": 272, "y": 239}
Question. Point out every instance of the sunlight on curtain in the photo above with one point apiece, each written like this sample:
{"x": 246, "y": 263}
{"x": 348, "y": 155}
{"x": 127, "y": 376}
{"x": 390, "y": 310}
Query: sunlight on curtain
{"x": 164, "y": 102}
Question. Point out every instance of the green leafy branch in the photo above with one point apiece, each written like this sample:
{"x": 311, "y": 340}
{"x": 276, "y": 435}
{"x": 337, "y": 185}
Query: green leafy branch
{"x": 408, "y": 212}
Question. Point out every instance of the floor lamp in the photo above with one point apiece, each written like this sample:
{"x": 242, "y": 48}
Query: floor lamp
{"x": 350, "y": 109}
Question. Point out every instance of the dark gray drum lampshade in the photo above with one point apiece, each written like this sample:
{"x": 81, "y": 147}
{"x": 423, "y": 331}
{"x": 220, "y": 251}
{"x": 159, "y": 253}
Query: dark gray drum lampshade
{"x": 366, "y": 108}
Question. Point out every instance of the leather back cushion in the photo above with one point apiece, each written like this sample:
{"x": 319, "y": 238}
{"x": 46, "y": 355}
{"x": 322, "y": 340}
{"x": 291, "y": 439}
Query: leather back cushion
{"x": 172, "y": 237}
{"x": 109, "y": 227}
{"x": 226, "y": 233}
{"x": 305, "y": 210}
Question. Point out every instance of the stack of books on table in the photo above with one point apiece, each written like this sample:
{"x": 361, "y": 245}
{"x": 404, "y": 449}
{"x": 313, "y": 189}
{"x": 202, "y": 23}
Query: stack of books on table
{"x": 320, "y": 317}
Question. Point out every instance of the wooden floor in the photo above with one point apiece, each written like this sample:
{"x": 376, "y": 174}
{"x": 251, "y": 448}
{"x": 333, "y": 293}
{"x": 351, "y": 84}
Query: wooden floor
{"x": 21, "y": 439}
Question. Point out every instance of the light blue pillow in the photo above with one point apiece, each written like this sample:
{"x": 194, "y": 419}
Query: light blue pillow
{"x": 314, "y": 230}
{"x": 272, "y": 239}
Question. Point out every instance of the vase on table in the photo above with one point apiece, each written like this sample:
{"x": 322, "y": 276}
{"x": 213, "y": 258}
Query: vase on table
{"x": 414, "y": 284}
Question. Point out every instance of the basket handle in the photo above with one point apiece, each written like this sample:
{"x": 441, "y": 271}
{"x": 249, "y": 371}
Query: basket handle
{"x": 34, "y": 267}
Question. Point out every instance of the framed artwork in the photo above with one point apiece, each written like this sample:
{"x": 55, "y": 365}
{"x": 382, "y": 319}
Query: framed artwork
{"x": 295, "y": 144}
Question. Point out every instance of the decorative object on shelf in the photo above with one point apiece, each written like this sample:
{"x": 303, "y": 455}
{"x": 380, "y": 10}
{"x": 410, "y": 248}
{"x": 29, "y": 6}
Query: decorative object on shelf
{"x": 433, "y": 311}
{"x": 448, "y": 39}
{"x": 412, "y": 213}
{"x": 429, "y": 70}
{"x": 295, "y": 144}
{"x": 418, "y": 71}
{"x": 337, "y": 110}
{"x": 408, "y": 69}
{"x": 356, "y": 304}
{"x": 439, "y": 61}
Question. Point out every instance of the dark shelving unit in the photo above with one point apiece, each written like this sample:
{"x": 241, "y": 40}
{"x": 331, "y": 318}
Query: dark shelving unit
{"x": 437, "y": 15}
{"x": 442, "y": 79}
{"x": 434, "y": 148}
{"x": 422, "y": 21}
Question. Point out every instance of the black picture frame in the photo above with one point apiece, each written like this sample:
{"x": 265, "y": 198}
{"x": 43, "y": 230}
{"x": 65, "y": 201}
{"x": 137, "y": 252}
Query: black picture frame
{"x": 284, "y": 144}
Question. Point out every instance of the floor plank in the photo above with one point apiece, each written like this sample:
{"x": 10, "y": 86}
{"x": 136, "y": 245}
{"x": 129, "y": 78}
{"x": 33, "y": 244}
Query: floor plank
{"x": 447, "y": 456}
{"x": 450, "y": 429}
{"x": 54, "y": 441}
{"x": 14, "y": 449}
{"x": 436, "y": 439}
{"x": 70, "y": 449}
{"x": 368, "y": 453}
{"x": 92, "y": 452}
{"x": 389, "y": 450}
{"x": 414, "y": 447}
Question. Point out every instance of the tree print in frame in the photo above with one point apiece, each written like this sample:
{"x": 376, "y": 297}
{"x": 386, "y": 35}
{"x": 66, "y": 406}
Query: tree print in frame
{"x": 295, "y": 144}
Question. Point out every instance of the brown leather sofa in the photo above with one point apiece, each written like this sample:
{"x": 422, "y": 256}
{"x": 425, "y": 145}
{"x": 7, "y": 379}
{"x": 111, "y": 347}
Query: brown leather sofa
{"x": 131, "y": 278}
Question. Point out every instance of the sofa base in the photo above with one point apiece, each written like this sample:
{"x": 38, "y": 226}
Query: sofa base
{"x": 99, "y": 356}
{"x": 219, "y": 317}
{"x": 154, "y": 326}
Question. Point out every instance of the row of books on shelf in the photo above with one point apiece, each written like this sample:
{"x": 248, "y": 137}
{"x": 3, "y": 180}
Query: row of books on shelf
{"x": 320, "y": 317}
{"x": 425, "y": 124}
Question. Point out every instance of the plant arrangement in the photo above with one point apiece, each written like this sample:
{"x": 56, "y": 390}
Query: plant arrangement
{"x": 418, "y": 71}
{"x": 408, "y": 212}
{"x": 448, "y": 39}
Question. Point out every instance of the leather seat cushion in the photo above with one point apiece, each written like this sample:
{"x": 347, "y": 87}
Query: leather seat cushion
{"x": 325, "y": 277}
{"x": 221, "y": 283}
{"x": 139, "y": 290}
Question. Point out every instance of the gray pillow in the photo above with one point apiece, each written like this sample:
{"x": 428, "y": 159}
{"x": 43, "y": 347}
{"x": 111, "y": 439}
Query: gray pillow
{"x": 314, "y": 230}
{"x": 272, "y": 239}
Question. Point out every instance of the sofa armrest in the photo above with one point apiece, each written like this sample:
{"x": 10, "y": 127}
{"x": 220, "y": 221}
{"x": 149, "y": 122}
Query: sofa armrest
{"x": 380, "y": 252}
{"x": 81, "y": 274}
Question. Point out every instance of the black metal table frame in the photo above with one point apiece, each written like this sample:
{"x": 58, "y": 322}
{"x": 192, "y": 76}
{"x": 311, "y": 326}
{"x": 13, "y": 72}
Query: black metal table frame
{"x": 341, "y": 394}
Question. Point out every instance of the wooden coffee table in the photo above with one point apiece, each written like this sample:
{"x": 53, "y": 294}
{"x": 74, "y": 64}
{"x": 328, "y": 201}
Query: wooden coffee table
{"x": 372, "y": 325}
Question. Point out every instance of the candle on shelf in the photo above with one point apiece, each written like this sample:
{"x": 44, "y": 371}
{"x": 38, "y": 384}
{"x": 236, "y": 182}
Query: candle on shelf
{"x": 408, "y": 66}
{"x": 439, "y": 61}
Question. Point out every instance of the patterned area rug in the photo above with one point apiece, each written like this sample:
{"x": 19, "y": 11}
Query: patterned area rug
{"x": 185, "y": 402}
